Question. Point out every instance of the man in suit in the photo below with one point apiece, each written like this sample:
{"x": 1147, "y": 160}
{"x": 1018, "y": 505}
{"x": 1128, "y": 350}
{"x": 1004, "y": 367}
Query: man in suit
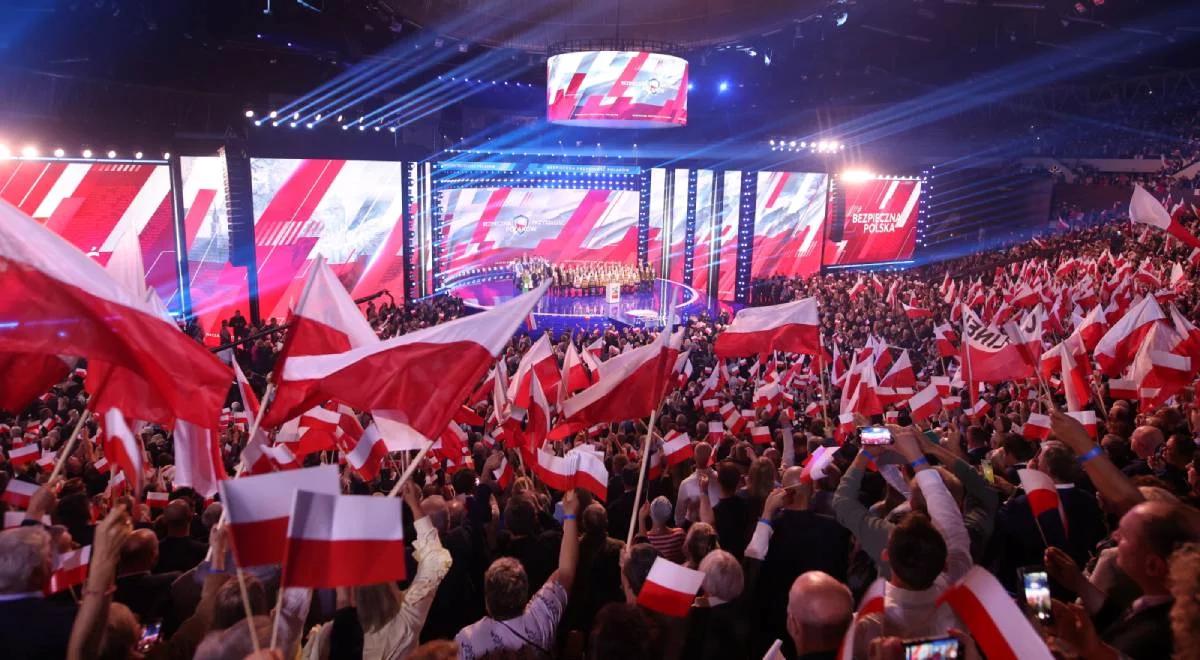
{"x": 1019, "y": 534}
{"x": 32, "y": 627}
{"x": 147, "y": 595}
{"x": 178, "y": 551}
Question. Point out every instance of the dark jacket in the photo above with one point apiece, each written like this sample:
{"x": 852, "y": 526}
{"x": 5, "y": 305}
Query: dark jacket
{"x": 34, "y": 628}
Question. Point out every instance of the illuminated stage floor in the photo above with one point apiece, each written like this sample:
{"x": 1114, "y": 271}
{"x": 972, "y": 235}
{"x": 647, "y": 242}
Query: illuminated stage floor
{"x": 642, "y": 308}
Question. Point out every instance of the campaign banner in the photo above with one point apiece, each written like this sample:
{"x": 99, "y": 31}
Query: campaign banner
{"x": 617, "y": 89}
{"x": 879, "y": 223}
{"x": 789, "y": 223}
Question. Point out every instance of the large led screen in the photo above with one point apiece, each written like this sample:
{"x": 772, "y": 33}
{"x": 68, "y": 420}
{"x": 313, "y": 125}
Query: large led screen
{"x": 217, "y": 288}
{"x": 617, "y": 89}
{"x": 93, "y": 203}
{"x": 727, "y": 235}
{"x": 789, "y": 223}
{"x": 486, "y": 227}
{"x": 350, "y": 212}
{"x": 879, "y": 224}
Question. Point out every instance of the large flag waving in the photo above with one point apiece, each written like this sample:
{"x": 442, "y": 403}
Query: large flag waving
{"x": 57, "y": 301}
{"x": 1146, "y": 210}
{"x": 791, "y": 327}
{"x": 421, "y": 378}
{"x": 987, "y": 355}
{"x": 631, "y": 385}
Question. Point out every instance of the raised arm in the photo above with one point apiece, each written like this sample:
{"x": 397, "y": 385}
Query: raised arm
{"x": 90, "y": 621}
{"x": 1108, "y": 480}
{"x": 568, "y": 550}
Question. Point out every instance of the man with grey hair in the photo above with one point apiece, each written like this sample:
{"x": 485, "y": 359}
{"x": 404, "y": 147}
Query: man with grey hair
{"x": 819, "y": 612}
{"x": 718, "y": 625}
{"x": 33, "y": 626}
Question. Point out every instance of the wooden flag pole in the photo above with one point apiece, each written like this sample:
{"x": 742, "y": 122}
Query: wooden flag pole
{"x": 412, "y": 466}
{"x": 645, "y": 465}
{"x": 70, "y": 446}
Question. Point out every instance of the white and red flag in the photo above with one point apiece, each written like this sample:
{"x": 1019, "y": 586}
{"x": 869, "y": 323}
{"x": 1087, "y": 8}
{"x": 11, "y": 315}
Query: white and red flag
{"x": 419, "y": 379}
{"x": 1088, "y": 419}
{"x": 670, "y": 588}
{"x": 70, "y": 569}
{"x": 677, "y": 447}
{"x": 1159, "y": 368}
{"x": 870, "y": 603}
{"x": 578, "y": 469}
{"x": 57, "y": 301}
{"x": 343, "y": 541}
{"x": 365, "y": 453}
{"x": 198, "y": 462}
{"x": 1123, "y": 388}
{"x": 575, "y": 374}
{"x": 760, "y": 435}
{"x": 999, "y": 627}
{"x": 261, "y": 459}
{"x": 816, "y": 463}
{"x": 711, "y": 405}
{"x": 538, "y": 359}
{"x": 1037, "y": 427}
{"x": 504, "y": 473}
{"x": 123, "y": 449}
{"x": 1144, "y": 209}
{"x": 791, "y": 327}
{"x": 916, "y": 312}
{"x": 24, "y": 455}
{"x": 258, "y": 509}
{"x": 1092, "y": 327}
{"x": 987, "y": 355}
{"x": 900, "y": 374}
{"x": 1117, "y": 347}
{"x": 631, "y": 385}
{"x": 925, "y": 404}
{"x": 945, "y": 338}
{"x": 1044, "y": 502}
{"x": 716, "y": 432}
{"x": 18, "y": 493}
{"x": 157, "y": 499}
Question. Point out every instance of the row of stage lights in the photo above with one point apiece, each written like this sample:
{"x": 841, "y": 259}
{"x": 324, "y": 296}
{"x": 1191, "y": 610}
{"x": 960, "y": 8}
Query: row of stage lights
{"x": 31, "y": 151}
{"x": 853, "y": 176}
{"x": 816, "y": 146}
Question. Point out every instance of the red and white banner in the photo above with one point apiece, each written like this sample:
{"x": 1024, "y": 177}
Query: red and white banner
{"x": 677, "y": 448}
{"x": 258, "y": 509}
{"x": 70, "y": 569}
{"x": 343, "y": 541}
{"x": 999, "y": 627}
{"x": 1117, "y": 347}
{"x": 791, "y": 327}
{"x": 18, "y": 493}
{"x": 880, "y": 222}
{"x": 1037, "y": 427}
{"x": 578, "y": 469}
{"x": 122, "y": 448}
{"x": 670, "y": 588}
{"x": 789, "y": 224}
{"x": 987, "y": 355}
{"x": 925, "y": 404}
{"x": 631, "y": 385}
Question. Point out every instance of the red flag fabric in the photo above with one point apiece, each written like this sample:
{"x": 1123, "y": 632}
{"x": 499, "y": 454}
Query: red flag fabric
{"x": 28, "y": 376}
{"x": 1037, "y": 427}
{"x": 157, "y": 499}
{"x": 791, "y": 327}
{"x": 901, "y": 373}
{"x": 60, "y": 302}
{"x": 987, "y": 355}
{"x": 24, "y": 455}
{"x": 258, "y": 509}
{"x": 420, "y": 378}
{"x": 122, "y": 448}
{"x": 1145, "y": 209}
{"x": 575, "y": 374}
{"x": 70, "y": 569}
{"x": 1042, "y": 495}
{"x": 925, "y": 404}
{"x": 504, "y": 473}
{"x": 18, "y": 493}
{"x": 538, "y": 359}
{"x": 1088, "y": 419}
{"x": 760, "y": 435}
{"x": 1117, "y": 347}
{"x": 198, "y": 463}
{"x": 631, "y": 385}
{"x": 1158, "y": 367}
{"x": 916, "y": 312}
{"x": 677, "y": 448}
{"x": 343, "y": 541}
{"x": 1002, "y": 631}
{"x": 578, "y": 469}
{"x": 716, "y": 432}
{"x": 365, "y": 453}
{"x": 1121, "y": 388}
{"x": 670, "y": 588}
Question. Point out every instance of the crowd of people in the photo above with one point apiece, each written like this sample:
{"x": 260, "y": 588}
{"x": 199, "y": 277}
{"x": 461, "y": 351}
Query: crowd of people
{"x": 515, "y": 569}
{"x": 580, "y": 278}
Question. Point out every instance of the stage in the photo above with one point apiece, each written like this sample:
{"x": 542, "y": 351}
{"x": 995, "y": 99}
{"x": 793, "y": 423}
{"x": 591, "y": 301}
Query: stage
{"x": 665, "y": 302}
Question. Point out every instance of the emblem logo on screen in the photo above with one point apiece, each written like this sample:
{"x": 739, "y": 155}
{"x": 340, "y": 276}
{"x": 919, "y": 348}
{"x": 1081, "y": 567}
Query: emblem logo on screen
{"x": 520, "y": 224}
{"x": 654, "y": 86}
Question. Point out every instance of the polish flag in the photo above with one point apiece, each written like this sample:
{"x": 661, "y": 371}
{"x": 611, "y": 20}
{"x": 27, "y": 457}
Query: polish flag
{"x": 18, "y": 493}
{"x": 1116, "y": 349}
{"x": 364, "y": 454}
{"x": 716, "y": 432}
{"x": 70, "y": 569}
{"x": 631, "y": 384}
{"x": 1158, "y": 368}
{"x": 999, "y": 627}
{"x": 987, "y": 355}
{"x": 269, "y": 458}
{"x": 1088, "y": 419}
{"x": 816, "y": 463}
{"x": 537, "y": 425}
{"x": 504, "y": 473}
{"x": 1037, "y": 427}
{"x": 670, "y": 588}
{"x": 338, "y": 541}
{"x": 29, "y": 375}
{"x": 61, "y": 302}
{"x": 1120, "y": 388}
{"x": 1144, "y": 209}
{"x": 420, "y": 378}
{"x": 578, "y": 469}
{"x": 575, "y": 374}
{"x": 791, "y": 327}
{"x": 916, "y": 312}
{"x": 157, "y": 499}
{"x": 326, "y": 321}
{"x": 1189, "y": 336}
{"x": 925, "y": 404}
{"x": 1074, "y": 368}
{"x": 101, "y": 465}
{"x": 24, "y": 455}
{"x": 901, "y": 374}
{"x": 871, "y": 603}
{"x": 980, "y": 408}
{"x": 678, "y": 448}
{"x": 198, "y": 462}
{"x": 1092, "y": 328}
{"x": 945, "y": 338}
{"x": 767, "y": 395}
{"x": 711, "y": 405}
{"x": 122, "y": 448}
{"x": 891, "y": 416}
{"x": 732, "y": 418}
{"x": 942, "y": 383}
{"x": 538, "y": 359}
{"x": 760, "y": 435}
{"x": 258, "y": 509}
{"x": 846, "y": 423}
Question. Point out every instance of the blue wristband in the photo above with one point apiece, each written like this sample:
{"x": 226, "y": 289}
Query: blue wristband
{"x": 569, "y": 516}
{"x": 918, "y": 462}
{"x": 766, "y": 522}
{"x": 863, "y": 450}
{"x": 1091, "y": 453}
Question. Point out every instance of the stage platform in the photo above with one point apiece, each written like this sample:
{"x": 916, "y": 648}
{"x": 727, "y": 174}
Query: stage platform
{"x": 666, "y": 301}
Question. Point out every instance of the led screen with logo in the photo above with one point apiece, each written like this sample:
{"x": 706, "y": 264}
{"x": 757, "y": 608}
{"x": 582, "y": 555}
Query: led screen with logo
{"x": 486, "y": 227}
{"x": 879, "y": 224}
{"x": 617, "y": 89}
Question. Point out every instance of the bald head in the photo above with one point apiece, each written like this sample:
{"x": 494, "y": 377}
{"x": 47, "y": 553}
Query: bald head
{"x": 1145, "y": 441}
{"x": 702, "y": 452}
{"x": 819, "y": 612}
{"x": 178, "y": 518}
{"x": 434, "y": 507}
